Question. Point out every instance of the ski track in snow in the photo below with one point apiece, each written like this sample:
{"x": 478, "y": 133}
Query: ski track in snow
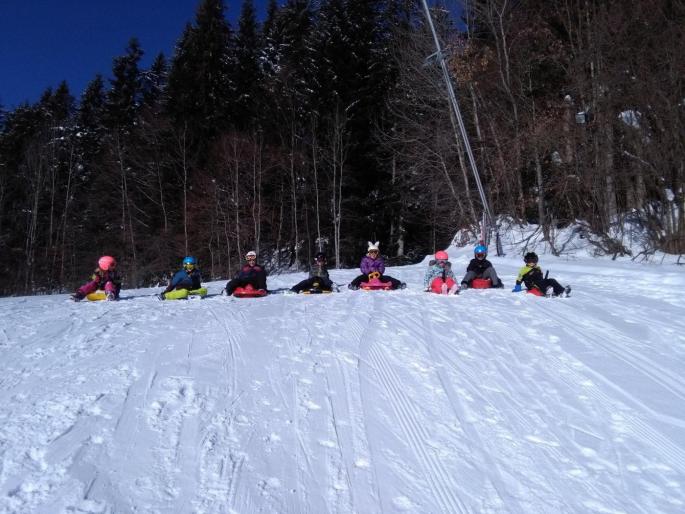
{"x": 358, "y": 402}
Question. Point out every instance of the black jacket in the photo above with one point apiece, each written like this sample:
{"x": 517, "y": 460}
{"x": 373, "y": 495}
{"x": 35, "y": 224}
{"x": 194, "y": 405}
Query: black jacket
{"x": 478, "y": 266}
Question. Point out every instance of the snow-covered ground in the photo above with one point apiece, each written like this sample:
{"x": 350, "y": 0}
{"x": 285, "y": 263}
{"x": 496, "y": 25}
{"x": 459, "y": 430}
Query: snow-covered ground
{"x": 359, "y": 402}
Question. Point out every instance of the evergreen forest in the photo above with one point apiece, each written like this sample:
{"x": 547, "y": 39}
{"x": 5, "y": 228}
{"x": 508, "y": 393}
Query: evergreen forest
{"x": 326, "y": 124}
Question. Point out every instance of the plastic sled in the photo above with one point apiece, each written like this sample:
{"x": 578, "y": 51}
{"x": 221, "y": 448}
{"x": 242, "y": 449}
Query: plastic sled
{"x": 375, "y": 284}
{"x": 481, "y": 283}
{"x": 249, "y": 292}
{"x": 316, "y": 290}
{"x": 535, "y": 291}
{"x": 97, "y": 296}
{"x": 436, "y": 285}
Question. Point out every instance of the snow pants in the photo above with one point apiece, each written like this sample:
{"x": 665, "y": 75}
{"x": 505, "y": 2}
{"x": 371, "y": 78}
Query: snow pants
{"x": 92, "y": 286}
{"x": 324, "y": 284}
{"x": 242, "y": 282}
{"x": 383, "y": 278}
{"x": 550, "y": 282}
{"x": 488, "y": 273}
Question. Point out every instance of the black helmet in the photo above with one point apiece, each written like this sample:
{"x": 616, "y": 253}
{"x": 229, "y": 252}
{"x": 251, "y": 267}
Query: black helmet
{"x": 531, "y": 257}
{"x": 320, "y": 256}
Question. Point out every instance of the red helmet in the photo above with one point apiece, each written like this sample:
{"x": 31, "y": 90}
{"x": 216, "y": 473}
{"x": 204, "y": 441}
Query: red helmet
{"x": 105, "y": 262}
{"x": 441, "y": 256}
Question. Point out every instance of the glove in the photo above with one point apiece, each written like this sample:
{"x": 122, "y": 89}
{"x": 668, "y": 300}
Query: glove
{"x": 517, "y": 288}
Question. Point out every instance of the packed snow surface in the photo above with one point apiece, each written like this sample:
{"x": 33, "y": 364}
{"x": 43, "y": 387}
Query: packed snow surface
{"x": 358, "y": 402}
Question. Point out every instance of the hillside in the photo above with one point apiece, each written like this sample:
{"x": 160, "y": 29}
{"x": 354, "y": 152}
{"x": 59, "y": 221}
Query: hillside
{"x": 358, "y": 402}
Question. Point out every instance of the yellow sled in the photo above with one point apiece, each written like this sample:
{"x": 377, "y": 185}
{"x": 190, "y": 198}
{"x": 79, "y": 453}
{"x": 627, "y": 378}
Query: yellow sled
{"x": 97, "y": 296}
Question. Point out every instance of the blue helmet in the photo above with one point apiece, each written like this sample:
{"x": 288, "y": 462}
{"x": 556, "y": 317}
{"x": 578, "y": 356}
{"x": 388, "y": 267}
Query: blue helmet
{"x": 189, "y": 261}
{"x": 480, "y": 249}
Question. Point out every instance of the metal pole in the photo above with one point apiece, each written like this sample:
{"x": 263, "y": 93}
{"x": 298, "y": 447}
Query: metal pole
{"x": 460, "y": 122}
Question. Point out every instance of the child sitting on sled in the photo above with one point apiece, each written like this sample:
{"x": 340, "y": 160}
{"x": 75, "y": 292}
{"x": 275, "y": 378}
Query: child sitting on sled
{"x": 480, "y": 267}
{"x": 188, "y": 279}
{"x": 439, "y": 277}
{"x": 373, "y": 262}
{"x": 318, "y": 276}
{"x": 251, "y": 273}
{"x": 105, "y": 277}
{"x": 531, "y": 275}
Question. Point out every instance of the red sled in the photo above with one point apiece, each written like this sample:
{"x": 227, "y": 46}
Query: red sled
{"x": 249, "y": 292}
{"x": 481, "y": 283}
{"x": 436, "y": 285}
{"x": 376, "y": 285}
{"x": 535, "y": 291}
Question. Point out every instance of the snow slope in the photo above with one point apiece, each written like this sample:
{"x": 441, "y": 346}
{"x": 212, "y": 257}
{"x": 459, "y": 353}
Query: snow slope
{"x": 360, "y": 402}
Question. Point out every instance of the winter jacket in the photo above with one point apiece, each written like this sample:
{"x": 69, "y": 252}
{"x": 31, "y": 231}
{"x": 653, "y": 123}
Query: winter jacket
{"x": 192, "y": 280}
{"x": 436, "y": 271}
{"x": 318, "y": 270}
{"x": 255, "y": 274}
{"x": 369, "y": 265}
{"x": 101, "y": 277}
{"x": 532, "y": 277}
{"x": 478, "y": 266}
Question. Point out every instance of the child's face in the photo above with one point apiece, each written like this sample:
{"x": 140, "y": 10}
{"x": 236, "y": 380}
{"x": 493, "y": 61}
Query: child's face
{"x": 480, "y": 256}
{"x": 373, "y": 253}
{"x": 441, "y": 262}
{"x": 531, "y": 264}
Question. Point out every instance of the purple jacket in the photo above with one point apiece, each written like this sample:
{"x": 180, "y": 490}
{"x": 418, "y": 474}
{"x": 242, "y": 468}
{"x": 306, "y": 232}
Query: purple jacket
{"x": 368, "y": 265}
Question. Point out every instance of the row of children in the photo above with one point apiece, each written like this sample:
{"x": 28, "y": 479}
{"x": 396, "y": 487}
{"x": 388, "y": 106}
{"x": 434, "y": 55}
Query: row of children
{"x": 439, "y": 277}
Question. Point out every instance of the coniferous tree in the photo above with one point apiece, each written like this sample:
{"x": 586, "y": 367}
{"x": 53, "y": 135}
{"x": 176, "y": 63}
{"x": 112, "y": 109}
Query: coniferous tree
{"x": 154, "y": 84}
{"x": 200, "y": 87}
{"x": 117, "y": 201}
{"x": 247, "y": 72}
{"x": 124, "y": 96}
{"x": 294, "y": 60}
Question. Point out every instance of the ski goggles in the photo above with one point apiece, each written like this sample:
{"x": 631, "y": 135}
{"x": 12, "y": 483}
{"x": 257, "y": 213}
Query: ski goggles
{"x": 250, "y": 258}
{"x": 373, "y": 252}
{"x": 480, "y": 256}
{"x": 189, "y": 266}
{"x": 441, "y": 262}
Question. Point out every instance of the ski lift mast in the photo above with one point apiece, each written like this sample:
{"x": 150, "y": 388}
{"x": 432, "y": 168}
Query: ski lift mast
{"x": 452, "y": 97}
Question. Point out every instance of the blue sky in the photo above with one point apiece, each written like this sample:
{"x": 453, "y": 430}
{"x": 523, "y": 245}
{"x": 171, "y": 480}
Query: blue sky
{"x": 43, "y": 42}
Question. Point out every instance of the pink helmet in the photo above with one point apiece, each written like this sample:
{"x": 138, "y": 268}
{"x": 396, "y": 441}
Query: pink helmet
{"x": 441, "y": 256}
{"x": 105, "y": 262}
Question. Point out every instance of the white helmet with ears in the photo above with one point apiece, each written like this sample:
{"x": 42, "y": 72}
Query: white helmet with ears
{"x": 373, "y": 246}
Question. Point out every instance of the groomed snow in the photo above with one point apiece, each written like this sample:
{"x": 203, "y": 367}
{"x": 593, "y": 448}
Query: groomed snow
{"x": 358, "y": 402}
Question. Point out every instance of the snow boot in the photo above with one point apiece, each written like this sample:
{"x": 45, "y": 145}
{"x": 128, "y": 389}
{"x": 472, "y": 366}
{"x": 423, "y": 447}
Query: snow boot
{"x": 567, "y": 292}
